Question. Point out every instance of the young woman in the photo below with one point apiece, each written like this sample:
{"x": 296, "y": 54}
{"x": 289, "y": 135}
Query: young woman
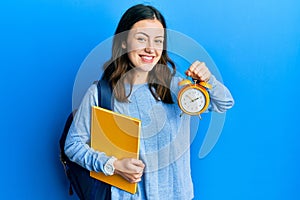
{"x": 144, "y": 85}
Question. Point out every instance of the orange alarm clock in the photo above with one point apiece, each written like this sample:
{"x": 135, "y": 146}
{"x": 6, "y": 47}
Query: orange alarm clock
{"x": 193, "y": 98}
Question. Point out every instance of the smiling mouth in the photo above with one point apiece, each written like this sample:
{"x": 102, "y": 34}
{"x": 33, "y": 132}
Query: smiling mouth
{"x": 147, "y": 59}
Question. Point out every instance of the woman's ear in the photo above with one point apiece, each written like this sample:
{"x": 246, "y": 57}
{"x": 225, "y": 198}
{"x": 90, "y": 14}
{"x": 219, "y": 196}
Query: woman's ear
{"x": 124, "y": 46}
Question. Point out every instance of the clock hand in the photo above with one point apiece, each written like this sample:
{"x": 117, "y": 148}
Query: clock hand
{"x": 195, "y": 99}
{"x": 190, "y": 98}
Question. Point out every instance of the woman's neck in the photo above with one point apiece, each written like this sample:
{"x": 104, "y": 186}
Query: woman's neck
{"x": 137, "y": 77}
{"x": 140, "y": 78}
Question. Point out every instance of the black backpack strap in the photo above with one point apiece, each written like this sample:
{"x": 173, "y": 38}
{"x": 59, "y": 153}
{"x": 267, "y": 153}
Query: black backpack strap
{"x": 63, "y": 157}
{"x": 85, "y": 186}
{"x": 104, "y": 94}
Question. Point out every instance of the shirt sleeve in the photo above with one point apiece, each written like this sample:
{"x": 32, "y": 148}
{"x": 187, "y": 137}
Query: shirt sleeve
{"x": 77, "y": 145}
{"x": 220, "y": 97}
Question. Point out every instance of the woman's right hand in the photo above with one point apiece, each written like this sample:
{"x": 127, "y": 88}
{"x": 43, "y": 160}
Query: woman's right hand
{"x": 130, "y": 169}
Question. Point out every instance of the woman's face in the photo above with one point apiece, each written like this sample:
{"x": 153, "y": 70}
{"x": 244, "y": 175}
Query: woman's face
{"x": 145, "y": 44}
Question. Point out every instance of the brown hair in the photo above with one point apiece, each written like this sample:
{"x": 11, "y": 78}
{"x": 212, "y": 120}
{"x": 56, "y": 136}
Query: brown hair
{"x": 159, "y": 78}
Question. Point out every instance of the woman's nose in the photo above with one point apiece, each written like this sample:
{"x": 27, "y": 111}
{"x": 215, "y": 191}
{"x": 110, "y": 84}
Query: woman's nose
{"x": 149, "y": 47}
{"x": 149, "y": 50}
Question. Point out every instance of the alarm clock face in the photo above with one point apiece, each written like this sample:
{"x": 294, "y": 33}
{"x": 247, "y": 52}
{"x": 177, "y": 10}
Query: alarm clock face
{"x": 192, "y": 101}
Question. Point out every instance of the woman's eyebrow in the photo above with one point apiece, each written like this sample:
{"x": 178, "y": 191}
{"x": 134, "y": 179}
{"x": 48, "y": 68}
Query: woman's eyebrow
{"x": 143, "y": 33}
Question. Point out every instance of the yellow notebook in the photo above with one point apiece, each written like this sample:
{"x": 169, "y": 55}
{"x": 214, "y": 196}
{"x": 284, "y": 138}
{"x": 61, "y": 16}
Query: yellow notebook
{"x": 117, "y": 135}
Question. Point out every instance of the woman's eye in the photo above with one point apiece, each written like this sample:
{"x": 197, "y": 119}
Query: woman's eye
{"x": 140, "y": 39}
{"x": 158, "y": 41}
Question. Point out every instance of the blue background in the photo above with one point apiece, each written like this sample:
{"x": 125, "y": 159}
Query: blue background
{"x": 255, "y": 44}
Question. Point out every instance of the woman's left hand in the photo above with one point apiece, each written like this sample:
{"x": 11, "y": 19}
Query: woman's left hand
{"x": 199, "y": 71}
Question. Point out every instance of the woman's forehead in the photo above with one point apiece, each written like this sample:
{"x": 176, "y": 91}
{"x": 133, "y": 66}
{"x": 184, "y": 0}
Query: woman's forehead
{"x": 148, "y": 26}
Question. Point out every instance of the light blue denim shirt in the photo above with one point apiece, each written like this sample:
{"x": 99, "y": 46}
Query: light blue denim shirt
{"x": 164, "y": 144}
